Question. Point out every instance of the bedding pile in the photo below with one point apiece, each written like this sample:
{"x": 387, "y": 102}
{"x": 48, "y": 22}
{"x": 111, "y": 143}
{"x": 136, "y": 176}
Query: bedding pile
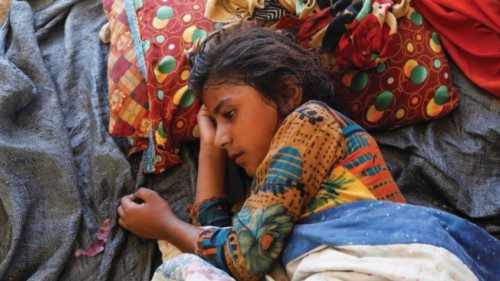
{"x": 62, "y": 174}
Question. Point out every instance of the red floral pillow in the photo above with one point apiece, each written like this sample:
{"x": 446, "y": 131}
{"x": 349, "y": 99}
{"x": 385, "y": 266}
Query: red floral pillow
{"x": 152, "y": 104}
{"x": 168, "y": 29}
{"x": 413, "y": 85}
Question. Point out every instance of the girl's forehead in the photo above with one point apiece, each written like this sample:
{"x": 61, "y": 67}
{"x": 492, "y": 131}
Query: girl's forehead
{"x": 222, "y": 91}
{"x": 212, "y": 96}
{"x": 242, "y": 94}
{"x": 215, "y": 92}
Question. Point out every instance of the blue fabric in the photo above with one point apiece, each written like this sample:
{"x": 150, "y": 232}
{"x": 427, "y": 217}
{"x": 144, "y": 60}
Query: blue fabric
{"x": 218, "y": 241}
{"x": 386, "y": 223}
{"x": 214, "y": 213}
{"x": 134, "y": 28}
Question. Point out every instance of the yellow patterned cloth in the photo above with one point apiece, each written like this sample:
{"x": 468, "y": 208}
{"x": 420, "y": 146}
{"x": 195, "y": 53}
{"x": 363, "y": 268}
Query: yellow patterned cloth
{"x": 227, "y": 11}
{"x": 318, "y": 159}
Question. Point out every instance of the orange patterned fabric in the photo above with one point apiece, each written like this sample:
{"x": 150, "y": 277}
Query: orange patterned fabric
{"x": 128, "y": 104}
{"x": 413, "y": 85}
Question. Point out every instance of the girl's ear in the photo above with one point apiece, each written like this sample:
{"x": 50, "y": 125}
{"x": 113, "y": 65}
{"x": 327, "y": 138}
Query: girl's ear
{"x": 293, "y": 96}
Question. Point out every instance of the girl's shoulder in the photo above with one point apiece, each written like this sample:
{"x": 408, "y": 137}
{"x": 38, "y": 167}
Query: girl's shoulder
{"x": 317, "y": 110}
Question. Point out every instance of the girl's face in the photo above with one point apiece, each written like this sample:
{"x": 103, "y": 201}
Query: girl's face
{"x": 245, "y": 123}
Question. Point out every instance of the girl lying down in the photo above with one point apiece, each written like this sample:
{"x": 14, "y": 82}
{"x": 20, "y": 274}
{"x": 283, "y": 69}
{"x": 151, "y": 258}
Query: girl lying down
{"x": 322, "y": 204}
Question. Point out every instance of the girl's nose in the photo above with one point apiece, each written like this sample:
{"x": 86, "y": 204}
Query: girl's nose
{"x": 222, "y": 136}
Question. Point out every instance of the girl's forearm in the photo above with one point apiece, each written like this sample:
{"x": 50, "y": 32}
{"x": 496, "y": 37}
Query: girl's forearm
{"x": 211, "y": 168}
{"x": 210, "y": 183}
{"x": 181, "y": 234}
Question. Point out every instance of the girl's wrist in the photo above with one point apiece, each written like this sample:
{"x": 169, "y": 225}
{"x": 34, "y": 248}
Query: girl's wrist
{"x": 211, "y": 168}
{"x": 211, "y": 151}
{"x": 181, "y": 234}
{"x": 168, "y": 226}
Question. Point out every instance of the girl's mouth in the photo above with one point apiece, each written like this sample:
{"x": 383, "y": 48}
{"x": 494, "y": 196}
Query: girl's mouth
{"x": 236, "y": 157}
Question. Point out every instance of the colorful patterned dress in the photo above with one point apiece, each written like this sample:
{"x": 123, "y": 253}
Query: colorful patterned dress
{"x": 318, "y": 159}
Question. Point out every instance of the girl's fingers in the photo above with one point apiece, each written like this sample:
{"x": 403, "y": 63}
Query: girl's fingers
{"x": 127, "y": 202}
{"x": 122, "y": 223}
{"x": 203, "y": 111}
{"x": 129, "y": 197}
{"x": 144, "y": 193}
{"x": 121, "y": 213}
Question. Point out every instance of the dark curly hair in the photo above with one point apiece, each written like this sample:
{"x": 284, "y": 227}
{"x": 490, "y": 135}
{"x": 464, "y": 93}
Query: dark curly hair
{"x": 260, "y": 57}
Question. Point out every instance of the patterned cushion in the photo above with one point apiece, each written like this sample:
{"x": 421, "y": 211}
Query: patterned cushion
{"x": 168, "y": 30}
{"x": 148, "y": 74}
{"x": 413, "y": 85}
{"x": 128, "y": 104}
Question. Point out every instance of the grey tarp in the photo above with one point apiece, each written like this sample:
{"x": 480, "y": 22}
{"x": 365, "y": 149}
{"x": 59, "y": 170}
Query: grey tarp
{"x": 61, "y": 174}
{"x": 452, "y": 163}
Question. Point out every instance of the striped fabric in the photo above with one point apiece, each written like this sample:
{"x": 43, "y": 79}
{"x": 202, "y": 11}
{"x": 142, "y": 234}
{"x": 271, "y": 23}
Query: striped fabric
{"x": 271, "y": 12}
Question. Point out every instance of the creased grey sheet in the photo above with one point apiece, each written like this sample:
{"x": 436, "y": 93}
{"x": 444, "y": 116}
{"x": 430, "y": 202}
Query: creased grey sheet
{"x": 452, "y": 163}
{"x": 61, "y": 174}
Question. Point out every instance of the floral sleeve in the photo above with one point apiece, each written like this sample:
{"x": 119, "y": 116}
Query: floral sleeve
{"x": 301, "y": 155}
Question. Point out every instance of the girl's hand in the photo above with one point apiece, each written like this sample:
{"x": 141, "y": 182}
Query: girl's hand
{"x": 211, "y": 160}
{"x": 144, "y": 213}
{"x": 207, "y": 126}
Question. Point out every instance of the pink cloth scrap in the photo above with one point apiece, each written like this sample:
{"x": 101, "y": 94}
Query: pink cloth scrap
{"x": 98, "y": 245}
